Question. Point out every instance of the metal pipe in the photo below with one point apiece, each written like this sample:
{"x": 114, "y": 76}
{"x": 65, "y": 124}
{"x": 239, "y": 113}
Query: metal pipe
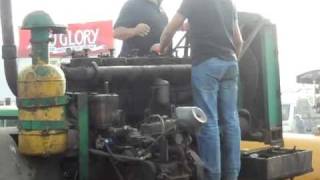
{"x": 116, "y": 156}
{"x": 9, "y": 50}
{"x": 79, "y": 73}
{"x": 166, "y": 72}
{"x": 107, "y": 73}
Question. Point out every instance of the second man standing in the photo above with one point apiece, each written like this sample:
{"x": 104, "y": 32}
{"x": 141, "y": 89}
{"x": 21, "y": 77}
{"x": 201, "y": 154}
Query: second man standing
{"x": 140, "y": 25}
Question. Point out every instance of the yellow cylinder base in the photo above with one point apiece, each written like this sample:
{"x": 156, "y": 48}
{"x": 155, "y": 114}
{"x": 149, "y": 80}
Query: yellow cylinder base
{"x": 36, "y": 82}
{"x": 36, "y": 143}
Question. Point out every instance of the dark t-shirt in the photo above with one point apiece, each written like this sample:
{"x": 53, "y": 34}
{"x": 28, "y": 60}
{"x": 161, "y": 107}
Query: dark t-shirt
{"x": 211, "y": 29}
{"x": 135, "y": 12}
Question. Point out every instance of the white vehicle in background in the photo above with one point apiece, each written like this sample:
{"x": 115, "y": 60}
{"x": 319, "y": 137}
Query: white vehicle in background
{"x": 287, "y": 115}
{"x": 298, "y": 114}
{"x": 288, "y": 106}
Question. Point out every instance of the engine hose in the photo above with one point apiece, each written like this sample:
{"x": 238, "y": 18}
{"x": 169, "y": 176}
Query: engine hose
{"x": 159, "y": 138}
{"x": 163, "y": 124}
{"x": 115, "y": 156}
{"x": 113, "y": 163}
{"x": 118, "y": 158}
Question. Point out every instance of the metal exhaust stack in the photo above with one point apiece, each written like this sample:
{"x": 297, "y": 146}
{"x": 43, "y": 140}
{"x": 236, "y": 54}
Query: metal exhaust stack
{"x": 9, "y": 50}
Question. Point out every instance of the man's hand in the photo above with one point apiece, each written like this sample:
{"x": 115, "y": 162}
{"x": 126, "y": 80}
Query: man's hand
{"x": 142, "y": 30}
{"x": 163, "y": 50}
{"x": 155, "y": 48}
{"x": 124, "y": 33}
{"x": 185, "y": 27}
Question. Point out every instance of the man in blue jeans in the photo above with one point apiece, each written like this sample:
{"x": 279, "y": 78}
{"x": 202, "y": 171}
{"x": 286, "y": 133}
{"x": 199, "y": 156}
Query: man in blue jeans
{"x": 215, "y": 42}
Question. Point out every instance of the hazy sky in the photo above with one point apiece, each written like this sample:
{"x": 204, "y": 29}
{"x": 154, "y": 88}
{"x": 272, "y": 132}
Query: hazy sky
{"x": 297, "y": 22}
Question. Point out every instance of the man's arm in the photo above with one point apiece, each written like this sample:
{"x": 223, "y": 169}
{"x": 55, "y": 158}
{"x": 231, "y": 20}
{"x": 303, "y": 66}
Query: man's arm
{"x": 128, "y": 25}
{"x": 237, "y": 37}
{"x": 124, "y": 33}
{"x": 169, "y": 31}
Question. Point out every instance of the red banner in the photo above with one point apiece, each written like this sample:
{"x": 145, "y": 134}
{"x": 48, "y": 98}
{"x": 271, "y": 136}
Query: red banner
{"x": 95, "y": 36}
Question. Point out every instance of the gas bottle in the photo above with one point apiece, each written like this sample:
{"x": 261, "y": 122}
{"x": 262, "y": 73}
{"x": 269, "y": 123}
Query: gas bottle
{"x": 41, "y": 94}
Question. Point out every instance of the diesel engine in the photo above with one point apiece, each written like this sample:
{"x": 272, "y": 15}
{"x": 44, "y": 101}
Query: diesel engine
{"x": 140, "y": 116}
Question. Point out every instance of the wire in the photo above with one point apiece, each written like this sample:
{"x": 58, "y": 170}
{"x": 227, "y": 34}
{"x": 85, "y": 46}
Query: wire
{"x": 158, "y": 139}
{"x": 113, "y": 163}
{"x": 163, "y": 130}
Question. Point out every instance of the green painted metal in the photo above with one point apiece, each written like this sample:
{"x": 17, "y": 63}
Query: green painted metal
{"x": 43, "y": 71}
{"x": 39, "y": 22}
{"x": 37, "y": 19}
{"x": 40, "y": 19}
{"x": 42, "y": 125}
{"x": 83, "y": 117}
{"x": 41, "y": 25}
{"x": 43, "y": 102}
{"x": 40, "y": 40}
{"x": 272, "y": 81}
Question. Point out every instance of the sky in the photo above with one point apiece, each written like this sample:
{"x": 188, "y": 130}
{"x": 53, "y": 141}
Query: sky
{"x": 297, "y": 23}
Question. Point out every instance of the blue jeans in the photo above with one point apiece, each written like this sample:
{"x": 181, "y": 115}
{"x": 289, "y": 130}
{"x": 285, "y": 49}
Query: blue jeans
{"x": 215, "y": 91}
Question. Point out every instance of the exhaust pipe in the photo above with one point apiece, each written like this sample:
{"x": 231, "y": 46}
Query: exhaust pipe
{"x": 9, "y": 50}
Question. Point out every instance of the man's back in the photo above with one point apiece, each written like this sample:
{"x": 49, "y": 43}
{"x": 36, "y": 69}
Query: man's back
{"x": 215, "y": 41}
{"x": 211, "y": 28}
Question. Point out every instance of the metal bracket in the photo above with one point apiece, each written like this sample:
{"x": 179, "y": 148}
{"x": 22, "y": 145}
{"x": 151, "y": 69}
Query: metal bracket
{"x": 83, "y": 116}
{"x": 43, "y": 102}
{"x": 42, "y": 125}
